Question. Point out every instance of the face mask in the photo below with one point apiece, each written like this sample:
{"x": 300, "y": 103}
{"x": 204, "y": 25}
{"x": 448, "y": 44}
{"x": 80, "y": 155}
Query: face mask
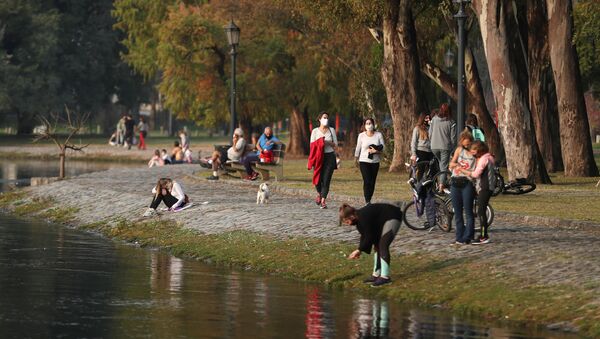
{"x": 369, "y": 127}
{"x": 324, "y": 122}
{"x": 268, "y": 136}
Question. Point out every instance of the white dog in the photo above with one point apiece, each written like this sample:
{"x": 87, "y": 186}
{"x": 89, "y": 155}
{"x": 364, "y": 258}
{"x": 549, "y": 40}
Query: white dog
{"x": 262, "y": 197}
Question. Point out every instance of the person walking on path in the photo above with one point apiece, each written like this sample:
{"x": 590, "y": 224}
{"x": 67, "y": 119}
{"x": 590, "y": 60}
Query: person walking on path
{"x": 326, "y": 143}
{"x": 472, "y": 125}
{"x": 484, "y": 170}
{"x": 368, "y": 147}
{"x": 461, "y": 190}
{"x": 442, "y": 137}
{"x": 121, "y": 131}
{"x": 170, "y": 192}
{"x": 143, "y": 130}
{"x": 377, "y": 224}
{"x": 129, "y": 126}
{"x": 420, "y": 145}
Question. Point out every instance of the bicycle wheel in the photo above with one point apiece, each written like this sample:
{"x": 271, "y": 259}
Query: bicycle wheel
{"x": 443, "y": 217}
{"x": 489, "y": 212}
{"x": 516, "y": 188}
{"x": 499, "y": 186}
{"x": 412, "y": 219}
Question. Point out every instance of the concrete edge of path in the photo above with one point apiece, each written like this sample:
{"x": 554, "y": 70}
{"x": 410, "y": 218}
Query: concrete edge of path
{"x": 532, "y": 220}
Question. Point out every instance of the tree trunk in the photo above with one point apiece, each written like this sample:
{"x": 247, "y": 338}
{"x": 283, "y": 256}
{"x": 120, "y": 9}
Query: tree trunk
{"x": 299, "y": 134}
{"x": 62, "y": 156}
{"x": 513, "y": 122}
{"x": 576, "y": 144}
{"x": 400, "y": 75}
{"x": 476, "y": 104}
{"x": 539, "y": 68}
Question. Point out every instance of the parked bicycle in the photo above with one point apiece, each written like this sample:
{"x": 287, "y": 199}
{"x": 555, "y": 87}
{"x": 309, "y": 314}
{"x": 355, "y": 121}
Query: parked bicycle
{"x": 416, "y": 214}
{"x": 514, "y": 187}
{"x": 445, "y": 197}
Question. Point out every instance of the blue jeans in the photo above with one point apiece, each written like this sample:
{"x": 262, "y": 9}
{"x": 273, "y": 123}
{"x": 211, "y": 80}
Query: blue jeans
{"x": 462, "y": 200}
{"x": 443, "y": 157}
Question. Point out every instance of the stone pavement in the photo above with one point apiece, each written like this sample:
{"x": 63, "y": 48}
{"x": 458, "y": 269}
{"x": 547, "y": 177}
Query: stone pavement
{"x": 541, "y": 255}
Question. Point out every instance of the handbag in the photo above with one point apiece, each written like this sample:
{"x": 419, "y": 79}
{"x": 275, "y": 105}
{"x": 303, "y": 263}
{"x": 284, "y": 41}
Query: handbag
{"x": 266, "y": 157}
{"x": 459, "y": 181}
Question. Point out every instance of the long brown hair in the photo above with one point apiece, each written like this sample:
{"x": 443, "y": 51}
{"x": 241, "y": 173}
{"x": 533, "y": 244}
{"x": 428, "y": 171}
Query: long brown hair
{"x": 423, "y": 131}
{"x": 165, "y": 183}
{"x": 444, "y": 111}
{"x": 465, "y": 135}
{"x": 480, "y": 148}
{"x": 348, "y": 212}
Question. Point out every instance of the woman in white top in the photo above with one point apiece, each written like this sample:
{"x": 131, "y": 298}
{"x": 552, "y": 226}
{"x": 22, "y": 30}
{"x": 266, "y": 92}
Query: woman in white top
{"x": 368, "y": 148}
{"x": 169, "y": 192}
{"x": 236, "y": 151}
{"x": 329, "y": 161}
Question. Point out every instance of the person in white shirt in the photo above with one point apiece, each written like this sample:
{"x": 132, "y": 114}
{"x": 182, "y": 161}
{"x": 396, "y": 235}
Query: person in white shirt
{"x": 368, "y": 149}
{"x": 329, "y": 158}
{"x": 170, "y": 192}
{"x": 236, "y": 151}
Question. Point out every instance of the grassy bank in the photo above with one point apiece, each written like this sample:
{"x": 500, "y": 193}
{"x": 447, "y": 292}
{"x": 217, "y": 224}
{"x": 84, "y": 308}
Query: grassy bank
{"x": 421, "y": 278}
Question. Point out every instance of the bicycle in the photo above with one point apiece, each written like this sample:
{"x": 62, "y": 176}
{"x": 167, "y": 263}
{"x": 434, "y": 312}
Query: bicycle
{"x": 513, "y": 187}
{"x": 415, "y": 214}
{"x": 448, "y": 201}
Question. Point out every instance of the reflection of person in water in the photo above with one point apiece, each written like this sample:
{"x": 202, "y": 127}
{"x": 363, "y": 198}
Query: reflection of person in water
{"x": 314, "y": 315}
{"x": 371, "y": 319}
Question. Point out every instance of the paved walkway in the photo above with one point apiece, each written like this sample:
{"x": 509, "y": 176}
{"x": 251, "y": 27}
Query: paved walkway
{"x": 539, "y": 254}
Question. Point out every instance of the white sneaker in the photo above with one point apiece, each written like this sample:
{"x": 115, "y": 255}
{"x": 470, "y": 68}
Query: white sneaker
{"x": 149, "y": 212}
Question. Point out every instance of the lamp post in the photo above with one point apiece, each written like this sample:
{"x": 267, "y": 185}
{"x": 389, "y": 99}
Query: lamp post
{"x": 461, "y": 17}
{"x": 448, "y": 62}
{"x": 233, "y": 38}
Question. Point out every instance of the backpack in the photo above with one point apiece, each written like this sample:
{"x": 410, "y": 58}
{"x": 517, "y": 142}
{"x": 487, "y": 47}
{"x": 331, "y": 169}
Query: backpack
{"x": 495, "y": 180}
{"x": 477, "y": 133}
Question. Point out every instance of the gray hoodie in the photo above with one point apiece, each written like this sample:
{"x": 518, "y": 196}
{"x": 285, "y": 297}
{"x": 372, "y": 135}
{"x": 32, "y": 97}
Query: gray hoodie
{"x": 442, "y": 133}
{"x": 418, "y": 143}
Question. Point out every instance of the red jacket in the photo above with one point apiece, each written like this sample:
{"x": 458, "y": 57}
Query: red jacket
{"x": 315, "y": 158}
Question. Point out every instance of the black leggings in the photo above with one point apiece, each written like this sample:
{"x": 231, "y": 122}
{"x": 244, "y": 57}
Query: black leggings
{"x": 483, "y": 198}
{"x": 168, "y": 199}
{"x": 326, "y": 174}
{"x": 369, "y": 174}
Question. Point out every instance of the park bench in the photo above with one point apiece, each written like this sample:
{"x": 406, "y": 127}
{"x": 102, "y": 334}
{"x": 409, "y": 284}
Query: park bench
{"x": 265, "y": 170}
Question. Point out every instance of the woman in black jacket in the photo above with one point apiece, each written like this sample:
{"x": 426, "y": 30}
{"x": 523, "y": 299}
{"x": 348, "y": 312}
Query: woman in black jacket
{"x": 377, "y": 225}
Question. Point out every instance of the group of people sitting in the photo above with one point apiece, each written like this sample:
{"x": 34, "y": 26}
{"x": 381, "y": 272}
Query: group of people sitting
{"x": 180, "y": 154}
{"x": 259, "y": 150}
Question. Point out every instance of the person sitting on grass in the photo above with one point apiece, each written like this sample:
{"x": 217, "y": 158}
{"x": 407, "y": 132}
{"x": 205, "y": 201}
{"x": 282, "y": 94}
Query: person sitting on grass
{"x": 176, "y": 154}
{"x": 165, "y": 157}
{"x": 170, "y": 192}
{"x": 156, "y": 160}
{"x": 377, "y": 225}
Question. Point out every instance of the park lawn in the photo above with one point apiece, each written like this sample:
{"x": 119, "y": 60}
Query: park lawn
{"x": 567, "y": 198}
{"x": 154, "y": 139}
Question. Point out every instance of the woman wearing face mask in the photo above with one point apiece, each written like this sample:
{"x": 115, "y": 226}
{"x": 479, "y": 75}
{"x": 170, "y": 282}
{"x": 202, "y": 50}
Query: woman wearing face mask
{"x": 420, "y": 146}
{"x": 368, "y": 147}
{"x": 461, "y": 190}
{"x": 323, "y": 143}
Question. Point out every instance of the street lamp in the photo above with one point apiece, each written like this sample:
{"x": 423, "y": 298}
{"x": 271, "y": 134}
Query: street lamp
{"x": 448, "y": 62}
{"x": 233, "y": 38}
{"x": 461, "y": 17}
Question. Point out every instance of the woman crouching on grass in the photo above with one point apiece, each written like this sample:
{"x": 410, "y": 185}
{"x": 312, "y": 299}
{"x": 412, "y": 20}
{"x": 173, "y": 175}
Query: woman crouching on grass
{"x": 482, "y": 173}
{"x": 377, "y": 225}
{"x": 169, "y": 192}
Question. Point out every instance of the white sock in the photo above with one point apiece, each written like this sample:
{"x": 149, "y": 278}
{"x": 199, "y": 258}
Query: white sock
{"x": 215, "y": 173}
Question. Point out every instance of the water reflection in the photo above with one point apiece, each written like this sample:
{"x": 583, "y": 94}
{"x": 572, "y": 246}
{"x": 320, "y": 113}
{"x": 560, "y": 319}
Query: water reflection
{"x": 18, "y": 172}
{"x": 57, "y": 282}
